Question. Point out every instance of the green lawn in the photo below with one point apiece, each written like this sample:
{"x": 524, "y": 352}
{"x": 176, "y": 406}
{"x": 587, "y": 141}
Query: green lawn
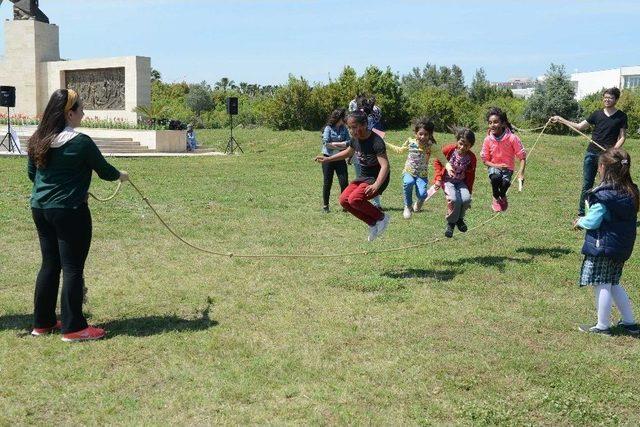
{"x": 479, "y": 329}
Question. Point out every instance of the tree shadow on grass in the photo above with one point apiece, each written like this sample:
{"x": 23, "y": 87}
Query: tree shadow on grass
{"x": 495, "y": 261}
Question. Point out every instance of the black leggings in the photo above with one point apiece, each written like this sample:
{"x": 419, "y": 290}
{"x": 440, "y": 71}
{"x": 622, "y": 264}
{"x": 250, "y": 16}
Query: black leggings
{"x": 500, "y": 183}
{"x": 65, "y": 238}
{"x": 328, "y": 168}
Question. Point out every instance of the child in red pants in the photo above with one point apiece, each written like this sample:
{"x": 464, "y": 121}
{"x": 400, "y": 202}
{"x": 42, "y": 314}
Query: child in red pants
{"x": 370, "y": 150}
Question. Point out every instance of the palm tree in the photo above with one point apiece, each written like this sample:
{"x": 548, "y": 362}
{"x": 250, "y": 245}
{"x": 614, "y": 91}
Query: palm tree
{"x": 224, "y": 83}
{"x": 153, "y": 113}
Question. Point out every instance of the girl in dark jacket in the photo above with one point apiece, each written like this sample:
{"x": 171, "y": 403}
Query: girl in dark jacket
{"x": 609, "y": 240}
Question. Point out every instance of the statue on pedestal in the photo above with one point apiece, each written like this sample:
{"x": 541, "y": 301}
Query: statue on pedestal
{"x": 28, "y": 9}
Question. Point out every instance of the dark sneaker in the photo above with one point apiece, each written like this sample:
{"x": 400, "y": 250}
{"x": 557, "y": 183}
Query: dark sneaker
{"x": 630, "y": 329}
{"x": 325, "y": 209}
{"x": 594, "y": 330}
{"x": 462, "y": 226}
{"x": 449, "y": 231}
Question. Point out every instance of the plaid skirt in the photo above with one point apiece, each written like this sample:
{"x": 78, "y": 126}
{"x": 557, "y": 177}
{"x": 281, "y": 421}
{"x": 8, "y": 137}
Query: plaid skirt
{"x": 600, "y": 270}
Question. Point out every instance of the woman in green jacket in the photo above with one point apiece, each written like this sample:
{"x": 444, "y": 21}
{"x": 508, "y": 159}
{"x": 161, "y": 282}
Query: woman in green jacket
{"x": 61, "y": 162}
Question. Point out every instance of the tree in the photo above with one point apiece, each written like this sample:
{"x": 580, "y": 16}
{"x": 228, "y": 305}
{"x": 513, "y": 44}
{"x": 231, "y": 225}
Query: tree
{"x": 455, "y": 82}
{"x": 152, "y": 113}
{"x": 224, "y": 83}
{"x": 289, "y": 107}
{"x": 199, "y": 98}
{"x": 451, "y": 79}
{"x": 386, "y": 87}
{"x": 553, "y": 96}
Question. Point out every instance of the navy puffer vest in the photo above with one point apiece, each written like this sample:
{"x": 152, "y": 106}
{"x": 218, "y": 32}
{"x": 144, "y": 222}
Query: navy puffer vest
{"x": 615, "y": 237}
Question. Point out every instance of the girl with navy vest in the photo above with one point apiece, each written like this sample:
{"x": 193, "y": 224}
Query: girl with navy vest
{"x": 611, "y": 233}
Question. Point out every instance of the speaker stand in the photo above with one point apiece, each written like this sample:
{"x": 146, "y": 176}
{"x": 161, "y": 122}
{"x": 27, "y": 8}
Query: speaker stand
{"x": 232, "y": 141}
{"x": 10, "y": 144}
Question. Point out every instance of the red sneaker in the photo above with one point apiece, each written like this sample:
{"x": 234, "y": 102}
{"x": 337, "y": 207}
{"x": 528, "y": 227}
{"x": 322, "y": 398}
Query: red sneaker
{"x": 88, "y": 334}
{"x": 45, "y": 331}
{"x": 496, "y": 206}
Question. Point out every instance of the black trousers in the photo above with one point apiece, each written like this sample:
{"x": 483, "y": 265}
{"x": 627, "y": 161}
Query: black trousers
{"x": 65, "y": 238}
{"x": 500, "y": 183}
{"x": 328, "y": 169}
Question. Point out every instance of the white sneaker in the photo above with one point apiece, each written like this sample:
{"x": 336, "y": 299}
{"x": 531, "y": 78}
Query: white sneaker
{"x": 382, "y": 224}
{"x": 407, "y": 212}
{"x": 373, "y": 232}
{"x": 417, "y": 206}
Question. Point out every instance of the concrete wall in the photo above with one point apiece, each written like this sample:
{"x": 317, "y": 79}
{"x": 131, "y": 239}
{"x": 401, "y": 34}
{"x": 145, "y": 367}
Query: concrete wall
{"x": 27, "y": 44}
{"x": 32, "y": 64}
{"x": 592, "y": 82}
{"x": 137, "y": 82}
{"x": 165, "y": 141}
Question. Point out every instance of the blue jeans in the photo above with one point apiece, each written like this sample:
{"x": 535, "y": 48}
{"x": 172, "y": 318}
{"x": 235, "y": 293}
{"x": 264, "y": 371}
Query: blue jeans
{"x": 409, "y": 182}
{"x": 589, "y": 171}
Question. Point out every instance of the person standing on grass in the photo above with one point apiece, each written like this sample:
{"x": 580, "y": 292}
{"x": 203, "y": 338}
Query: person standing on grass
{"x": 60, "y": 165}
{"x": 608, "y": 243}
{"x": 500, "y": 149}
{"x": 416, "y": 169}
{"x": 370, "y": 151}
{"x": 334, "y": 139}
{"x": 457, "y": 178}
{"x": 609, "y": 130}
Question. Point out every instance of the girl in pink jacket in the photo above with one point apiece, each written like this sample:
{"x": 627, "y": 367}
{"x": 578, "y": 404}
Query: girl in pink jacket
{"x": 500, "y": 149}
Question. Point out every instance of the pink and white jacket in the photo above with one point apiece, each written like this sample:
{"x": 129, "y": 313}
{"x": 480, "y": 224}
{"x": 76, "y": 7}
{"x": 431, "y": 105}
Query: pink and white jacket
{"x": 504, "y": 150}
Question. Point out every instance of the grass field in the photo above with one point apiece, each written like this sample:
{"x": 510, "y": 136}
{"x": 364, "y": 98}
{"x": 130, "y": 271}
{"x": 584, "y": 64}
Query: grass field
{"x": 480, "y": 329}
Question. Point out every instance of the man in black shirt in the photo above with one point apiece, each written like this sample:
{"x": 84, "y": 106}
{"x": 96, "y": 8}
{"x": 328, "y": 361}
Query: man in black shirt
{"x": 610, "y": 125}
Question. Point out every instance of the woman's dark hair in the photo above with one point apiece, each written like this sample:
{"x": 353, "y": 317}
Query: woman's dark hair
{"x": 466, "y": 134}
{"x": 359, "y": 116}
{"x": 617, "y": 167}
{"x": 336, "y": 116}
{"x": 426, "y": 124}
{"x": 613, "y": 91}
{"x": 495, "y": 111}
{"x": 53, "y": 122}
{"x": 365, "y": 104}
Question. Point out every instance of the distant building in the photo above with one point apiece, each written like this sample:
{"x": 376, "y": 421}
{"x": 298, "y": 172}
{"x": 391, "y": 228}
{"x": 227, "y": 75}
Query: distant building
{"x": 594, "y": 81}
{"x": 522, "y": 87}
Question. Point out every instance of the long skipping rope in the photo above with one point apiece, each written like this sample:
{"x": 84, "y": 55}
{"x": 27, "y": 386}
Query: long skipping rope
{"x": 311, "y": 256}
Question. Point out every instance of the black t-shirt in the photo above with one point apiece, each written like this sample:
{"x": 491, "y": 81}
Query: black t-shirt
{"x": 367, "y": 152}
{"x": 606, "y": 128}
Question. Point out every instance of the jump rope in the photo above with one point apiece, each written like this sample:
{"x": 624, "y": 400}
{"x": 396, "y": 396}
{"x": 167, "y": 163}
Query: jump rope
{"x": 333, "y": 255}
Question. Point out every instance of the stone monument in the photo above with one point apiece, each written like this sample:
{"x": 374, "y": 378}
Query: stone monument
{"x": 110, "y": 87}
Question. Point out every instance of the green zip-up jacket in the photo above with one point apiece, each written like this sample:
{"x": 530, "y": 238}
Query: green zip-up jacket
{"x": 64, "y": 182}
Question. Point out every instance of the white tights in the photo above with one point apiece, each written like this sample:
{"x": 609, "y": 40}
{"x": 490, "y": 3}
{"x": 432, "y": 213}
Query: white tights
{"x": 604, "y": 294}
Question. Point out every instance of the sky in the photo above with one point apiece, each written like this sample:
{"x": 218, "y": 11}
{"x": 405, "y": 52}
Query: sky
{"x": 263, "y": 41}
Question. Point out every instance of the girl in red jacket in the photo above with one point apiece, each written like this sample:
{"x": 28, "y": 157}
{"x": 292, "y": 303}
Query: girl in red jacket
{"x": 457, "y": 178}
